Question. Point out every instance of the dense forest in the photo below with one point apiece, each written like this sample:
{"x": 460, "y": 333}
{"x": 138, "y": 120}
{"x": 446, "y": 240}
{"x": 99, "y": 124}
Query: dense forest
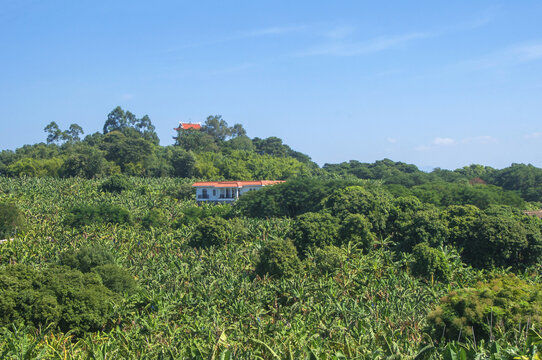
{"x": 106, "y": 253}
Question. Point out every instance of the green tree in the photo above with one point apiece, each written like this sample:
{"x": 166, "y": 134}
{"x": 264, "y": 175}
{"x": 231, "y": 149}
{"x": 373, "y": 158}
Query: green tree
{"x": 54, "y": 134}
{"x": 493, "y": 307}
{"x": 11, "y": 219}
{"x": 182, "y": 162}
{"x": 374, "y": 204}
{"x": 315, "y": 230}
{"x": 86, "y": 258}
{"x": 427, "y": 226}
{"x": 430, "y": 263}
{"x": 329, "y": 259}
{"x": 496, "y": 241}
{"x": 217, "y": 128}
{"x": 211, "y": 231}
{"x": 85, "y": 161}
{"x": 130, "y": 125}
{"x": 279, "y": 258}
{"x": 194, "y": 140}
{"x": 356, "y": 228}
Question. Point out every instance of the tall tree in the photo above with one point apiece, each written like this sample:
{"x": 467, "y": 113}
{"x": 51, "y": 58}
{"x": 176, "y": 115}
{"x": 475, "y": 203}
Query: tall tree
{"x": 130, "y": 125}
{"x": 54, "y": 134}
{"x": 216, "y": 127}
{"x": 116, "y": 120}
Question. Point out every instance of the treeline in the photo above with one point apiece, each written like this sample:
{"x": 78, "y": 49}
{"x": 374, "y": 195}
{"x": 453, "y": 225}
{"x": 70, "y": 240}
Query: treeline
{"x": 523, "y": 180}
{"x": 129, "y": 145}
{"x": 336, "y": 213}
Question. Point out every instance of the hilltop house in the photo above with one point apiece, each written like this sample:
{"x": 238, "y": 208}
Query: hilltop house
{"x": 228, "y": 191}
{"x": 188, "y": 126}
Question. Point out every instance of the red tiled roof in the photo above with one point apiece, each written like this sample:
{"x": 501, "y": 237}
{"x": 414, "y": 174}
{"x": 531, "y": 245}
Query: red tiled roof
{"x": 186, "y": 126}
{"x": 237, "y": 184}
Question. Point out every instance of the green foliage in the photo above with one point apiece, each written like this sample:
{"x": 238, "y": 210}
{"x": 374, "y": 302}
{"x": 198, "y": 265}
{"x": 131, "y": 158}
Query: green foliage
{"x": 211, "y": 231}
{"x": 86, "y": 162}
{"x": 127, "y": 123}
{"x": 401, "y": 212}
{"x": 373, "y": 203}
{"x": 196, "y": 303}
{"x": 35, "y": 167}
{"x": 356, "y": 228}
{"x": 315, "y": 230}
{"x": 389, "y": 171}
{"x": 292, "y": 198}
{"x": 116, "y": 278}
{"x": 57, "y": 296}
{"x": 83, "y": 215}
{"x": 182, "y": 162}
{"x": 481, "y": 196}
{"x": 246, "y": 165}
{"x": 196, "y": 214}
{"x": 86, "y": 258}
{"x": 490, "y": 309}
{"x": 526, "y": 179}
{"x": 196, "y": 141}
{"x": 430, "y": 263}
{"x": 116, "y": 183}
{"x": 329, "y": 259}
{"x": 155, "y": 218}
{"x": 498, "y": 241}
{"x": 278, "y": 258}
{"x": 183, "y": 192}
{"x": 128, "y": 152}
{"x": 427, "y": 226}
{"x": 55, "y": 135}
{"x": 11, "y": 220}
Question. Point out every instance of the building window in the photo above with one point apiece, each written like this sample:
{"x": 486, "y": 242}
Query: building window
{"x": 214, "y": 192}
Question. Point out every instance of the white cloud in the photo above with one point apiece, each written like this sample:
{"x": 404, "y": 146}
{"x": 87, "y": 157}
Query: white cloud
{"x": 342, "y": 48}
{"x": 512, "y": 55}
{"x": 127, "y": 96}
{"x": 534, "y": 135}
{"x": 529, "y": 52}
{"x": 277, "y": 30}
{"x": 392, "y": 140}
{"x": 340, "y": 32}
{"x": 443, "y": 141}
{"x": 422, "y": 148}
{"x": 484, "y": 139}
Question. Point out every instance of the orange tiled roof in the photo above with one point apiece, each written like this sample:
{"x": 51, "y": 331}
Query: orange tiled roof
{"x": 237, "y": 184}
{"x": 186, "y": 126}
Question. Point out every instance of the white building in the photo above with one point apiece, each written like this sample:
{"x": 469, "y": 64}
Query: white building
{"x": 228, "y": 191}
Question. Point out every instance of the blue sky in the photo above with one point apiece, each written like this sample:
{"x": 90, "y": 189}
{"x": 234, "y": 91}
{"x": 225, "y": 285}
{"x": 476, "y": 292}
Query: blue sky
{"x": 434, "y": 83}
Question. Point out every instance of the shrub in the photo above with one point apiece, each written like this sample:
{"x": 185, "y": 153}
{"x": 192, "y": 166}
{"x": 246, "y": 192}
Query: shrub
{"x": 329, "y": 260}
{"x": 86, "y": 258}
{"x": 210, "y": 232}
{"x": 425, "y": 226}
{"x": 315, "y": 229}
{"x": 195, "y": 214}
{"x": 183, "y": 192}
{"x": 154, "y": 218}
{"x": 115, "y": 278}
{"x": 430, "y": 263}
{"x": 494, "y": 308}
{"x": 278, "y": 258}
{"x": 104, "y": 213}
{"x": 357, "y": 229}
{"x": 116, "y": 183}
{"x": 497, "y": 241}
{"x": 373, "y": 203}
{"x": 58, "y": 296}
{"x": 11, "y": 220}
